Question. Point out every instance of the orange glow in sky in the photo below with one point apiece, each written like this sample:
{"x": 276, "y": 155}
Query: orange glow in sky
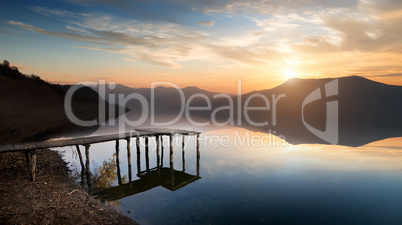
{"x": 210, "y": 45}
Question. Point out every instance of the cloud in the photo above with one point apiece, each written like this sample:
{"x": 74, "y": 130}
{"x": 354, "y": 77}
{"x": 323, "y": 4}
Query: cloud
{"x": 268, "y": 6}
{"x": 380, "y": 6}
{"x": 207, "y": 23}
{"x": 163, "y": 44}
{"x": 272, "y": 24}
{"x": 329, "y": 26}
{"x": 369, "y": 26}
{"x": 251, "y": 55}
{"x": 129, "y": 59}
{"x": 395, "y": 49}
{"x": 119, "y": 50}
{"x": 267, "y": 32}
{"x": 67, "y": 35}
{"x": 115, "y": 3}
{"x": 4, "y": 30}
{"x": 367, "y": 33}
{"x": 156, "y": 43}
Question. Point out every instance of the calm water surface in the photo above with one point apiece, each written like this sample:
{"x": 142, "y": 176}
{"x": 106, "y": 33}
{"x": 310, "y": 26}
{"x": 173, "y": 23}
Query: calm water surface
{"x": 268, "y": 182}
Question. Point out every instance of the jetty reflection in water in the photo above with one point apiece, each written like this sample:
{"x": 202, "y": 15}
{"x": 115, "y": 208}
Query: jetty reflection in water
{"x": 101, "y": 181}
{"x": 256, "y": 184}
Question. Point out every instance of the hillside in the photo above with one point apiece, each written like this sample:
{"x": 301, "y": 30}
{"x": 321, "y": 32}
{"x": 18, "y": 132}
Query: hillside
{"x": 167, "y": 99}
{"x": 32, "y": 109}
{"x": 368, "y": 111}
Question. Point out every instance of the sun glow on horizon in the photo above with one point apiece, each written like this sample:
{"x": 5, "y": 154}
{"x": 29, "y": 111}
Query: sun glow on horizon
{"x": 289, "y": 74}
{"x": 188, "y": 45}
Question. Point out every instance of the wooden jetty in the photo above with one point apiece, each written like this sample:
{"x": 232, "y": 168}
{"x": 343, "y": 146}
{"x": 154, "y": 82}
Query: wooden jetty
{"x": 29, "y": 149}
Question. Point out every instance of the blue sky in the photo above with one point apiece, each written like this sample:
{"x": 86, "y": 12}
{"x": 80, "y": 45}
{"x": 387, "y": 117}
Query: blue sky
{"x": 202, "y": 42}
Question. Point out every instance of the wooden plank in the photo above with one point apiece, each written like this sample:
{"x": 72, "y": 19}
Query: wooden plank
{"x": 20, "y": 147}
{"x": 166, "y": 131}
{"x": 147, "y": 132}
{"x": 31, "y": 145}
{"x": 41, "y": 145}
{"x": 6, "y": 148}
{"x": 58, "y": 143}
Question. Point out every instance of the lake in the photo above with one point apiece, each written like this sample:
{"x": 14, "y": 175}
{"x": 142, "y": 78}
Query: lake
{"x": 247, "y": 177}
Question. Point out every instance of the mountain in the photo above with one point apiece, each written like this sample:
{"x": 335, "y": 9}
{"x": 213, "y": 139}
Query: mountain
{"x": 166, "y": 100}
{"x": 367, "y": 110}
{"x": 32, "y": 109}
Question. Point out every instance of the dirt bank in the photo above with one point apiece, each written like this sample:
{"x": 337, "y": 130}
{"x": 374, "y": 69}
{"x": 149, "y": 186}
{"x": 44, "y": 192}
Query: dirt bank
{"x": 54, "y": 198}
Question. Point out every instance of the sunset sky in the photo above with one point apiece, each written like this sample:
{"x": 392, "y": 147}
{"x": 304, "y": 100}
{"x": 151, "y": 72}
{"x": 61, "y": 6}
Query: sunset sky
{"x": 205, "y": 43}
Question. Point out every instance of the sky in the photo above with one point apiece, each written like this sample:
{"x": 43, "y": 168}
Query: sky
{"x": 210, "y": 44}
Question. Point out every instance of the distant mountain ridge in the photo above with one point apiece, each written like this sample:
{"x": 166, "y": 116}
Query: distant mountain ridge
{"x": 368, "y": 110}
{"x": 167, "y": 99}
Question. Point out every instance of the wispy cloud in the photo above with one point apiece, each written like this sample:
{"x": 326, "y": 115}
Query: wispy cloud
{"x": 321, "y": 33}
{"x": 155, "y": 43}
{"x": 208, "y": 23}
{"x": 273, "y": 24}
{"x": 164, "y": 44}
{"x": 268, "y": 6}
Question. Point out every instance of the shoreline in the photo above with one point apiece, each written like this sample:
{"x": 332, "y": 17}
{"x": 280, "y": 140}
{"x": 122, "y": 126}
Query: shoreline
{"x": 53, "y": 198}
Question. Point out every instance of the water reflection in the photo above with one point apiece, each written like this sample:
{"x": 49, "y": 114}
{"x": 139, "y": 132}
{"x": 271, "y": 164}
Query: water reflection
{"x": 294, "y": 132}
{"x": 106, "y": 175}
{"x": 103, "y": 181}
{"x": 254, "y": 184}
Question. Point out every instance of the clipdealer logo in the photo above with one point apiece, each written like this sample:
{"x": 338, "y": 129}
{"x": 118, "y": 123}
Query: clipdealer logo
{"x": 327, "y": 93}
{"x": 331, "y": 133}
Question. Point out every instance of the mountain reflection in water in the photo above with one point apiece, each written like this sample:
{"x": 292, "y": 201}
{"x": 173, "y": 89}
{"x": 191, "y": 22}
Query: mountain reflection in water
{"x": 255, "y": 184}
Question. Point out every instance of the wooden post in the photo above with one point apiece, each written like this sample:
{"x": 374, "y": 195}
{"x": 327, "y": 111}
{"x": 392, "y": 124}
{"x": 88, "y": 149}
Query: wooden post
{"x": 162, "y": 151}
{"x": 171, "y": 161}
{"x": 130, "y": 177}
{"x": 198, "y": 144}
{"x": 182, "y": 155}
{"x": 87, "y": 169}
{"x": 137, "y": 142}
{"x": 27, "y": 157}
{"x": 147, "y": 153}
{"x": 118, "y": 162}
{"x": 157, "y": 154}
{"x": 81, "y": 162}
{"x": 198, "y": 154}
{"x": 171, "y": 152}
{"x": 80, "y": 157}
{"x": 32, "y": 163}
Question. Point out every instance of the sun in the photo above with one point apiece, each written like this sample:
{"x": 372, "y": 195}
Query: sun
{"x": 289, "y": 74}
